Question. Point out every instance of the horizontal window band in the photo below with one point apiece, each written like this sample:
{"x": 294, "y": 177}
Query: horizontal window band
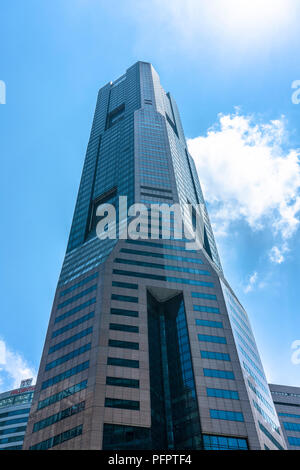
{"x": 220, "y": 374}
{"x": 124, "y": 312}
{"x": 160, "y": 245}
{"x": 156, "y": 189}
{"x": 73, "y": 324}
{"x": 75, "y": 310}
{"x": 157, "y": 196}
{"x": 70, "y": 340}
{"x": 67, "y": 357}
{"x": 120, "y": 327}
{"x": 212, "y": 339}
{"x": 66, "y": 413}
{"x": 221, "y": 393}
{"x": 124, "y": 298}
{"x": 76, "y": 297}
{"x": 215, "y": 355}
{"x": 117, "y": 361}
{"x": 161, "y": 256}
{"x": 125, "y": 285}
{"x": 65, "y": 375}
{"x": 114, "y": 343}
{"x": 61, "y": 395}
{"x": 122, "y": 382}
{"x": 162, "y": 278}
{"x": 123, "y": 404}
{"x": 209, "y": 323}
{"x": 79, "y": 284}
{"x": 146, "y": 264}
{"x": 58, "y": 439}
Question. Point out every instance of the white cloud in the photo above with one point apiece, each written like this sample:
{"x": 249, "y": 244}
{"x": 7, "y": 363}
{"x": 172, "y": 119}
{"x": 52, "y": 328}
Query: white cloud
{"x": 247, "y": 173}
{"x": 276, "y": 254}
{"x": 13, "y": 368}
{"x": 251, "y": 283}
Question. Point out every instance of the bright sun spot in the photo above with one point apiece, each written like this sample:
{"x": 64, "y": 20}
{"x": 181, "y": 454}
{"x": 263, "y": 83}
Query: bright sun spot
{"x": 254, "y": 17}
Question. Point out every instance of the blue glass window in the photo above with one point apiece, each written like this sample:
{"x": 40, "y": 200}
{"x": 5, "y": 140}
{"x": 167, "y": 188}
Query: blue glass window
{"x": 289, "y": 415}
{"x": 221, "y": 393}
{"x": 66, "y": 413}
{"x": 146, "y": 264}
{"x": 58, "y": 439}
{"x": 116, "y": 361}
{"x": 78, "y": 284}
{"x": 124, "y": 298}
{"x": 15, "y": 412}
{"x": 63, "y": 394}
{"x": 70, "y": 340}
{"x": 212, "y": 339}
{"x": 157, "y": 277}
{"x": 269, "y": 435}
{"x": 123, "y": 404}
{"x": 66, "y": 374}
{"x": 202, "y": 308}
{"x": 209, "y": 323}
{"x": 221, "y": 374}
{"x": 114, "y": 343}
{"x": 122, "y": 382}
{"x": 75, "y": 310}
{"x": 291, "y": 426}
{"x": 215, "y": 355}
{"x": 9, "y": 422}
{"x": 12, "y": 430}
{"x": 124, "y": 312}
{"x": 294, "y": 441}
{"x": 212, "y": 442}
{"x": 77, "y": 296}
{"x": 226, "y": 415}
{"x": 126, "y": 285}
{"x": 67, "y": 357}
{"x": 201, "y": 295}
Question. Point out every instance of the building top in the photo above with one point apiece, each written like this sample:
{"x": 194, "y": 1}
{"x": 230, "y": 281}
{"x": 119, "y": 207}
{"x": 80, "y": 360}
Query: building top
{"x": 17, "y": 396}
{"x": 286, "y": 391}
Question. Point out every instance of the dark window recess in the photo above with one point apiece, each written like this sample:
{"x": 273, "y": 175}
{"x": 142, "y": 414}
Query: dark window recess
{"x": 170, "y": 120}
{"x": 175, "y": 422}
{"x": 114, "y": 343}
{"x": 172, "y": 124}
{"x": 122, "y": 382}
{"x": 159, "y": 196}
{"x": 115, "y": 116}
{"x": 206, "y": 244}
{"x": 117, "y": 361}
{"x": 122, "y": 311}
{"x": 152, "y": 188}
{"x": 106, "y": 197}
{"x": 123, "y": 404}
{"x": 120, "y": 437}
{"x": 120, "y": 327}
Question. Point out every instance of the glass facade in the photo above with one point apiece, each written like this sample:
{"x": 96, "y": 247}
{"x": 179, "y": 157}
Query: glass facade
{"x": 174, "y": 410}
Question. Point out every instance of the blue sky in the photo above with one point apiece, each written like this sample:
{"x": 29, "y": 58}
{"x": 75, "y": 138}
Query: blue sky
{"x": 230, "y": 70}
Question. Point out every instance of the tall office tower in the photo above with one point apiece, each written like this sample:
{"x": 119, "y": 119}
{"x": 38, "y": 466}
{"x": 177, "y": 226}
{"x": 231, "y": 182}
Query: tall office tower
{"x": 14, "y": 411}
{"x": 147, "y": 345}
{"x": 287, "y": 404}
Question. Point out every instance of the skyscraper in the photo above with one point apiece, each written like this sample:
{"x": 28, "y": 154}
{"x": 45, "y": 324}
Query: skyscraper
{"x": 147, "y": 345}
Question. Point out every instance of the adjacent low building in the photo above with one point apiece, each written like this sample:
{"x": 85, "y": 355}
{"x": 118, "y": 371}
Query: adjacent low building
{"x": 287, "y": 402}
{"x": 14, "y": 411}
